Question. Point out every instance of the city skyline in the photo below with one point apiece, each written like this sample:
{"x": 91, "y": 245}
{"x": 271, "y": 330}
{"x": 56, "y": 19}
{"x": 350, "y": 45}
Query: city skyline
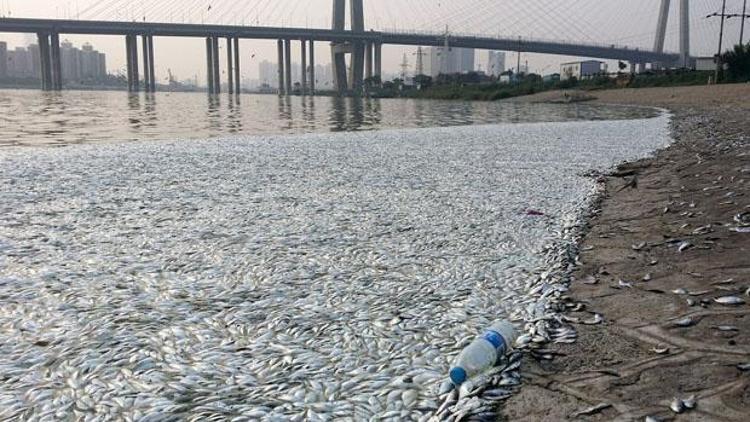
{"x": 632, "y": 24}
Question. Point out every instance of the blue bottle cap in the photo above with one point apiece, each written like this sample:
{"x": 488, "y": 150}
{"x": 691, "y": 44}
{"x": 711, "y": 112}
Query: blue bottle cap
{"x": 458, "y": 376}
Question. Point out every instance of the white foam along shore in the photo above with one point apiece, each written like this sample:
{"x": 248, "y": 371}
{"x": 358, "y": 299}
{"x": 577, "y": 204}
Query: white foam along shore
{"x": 309, "y": 277}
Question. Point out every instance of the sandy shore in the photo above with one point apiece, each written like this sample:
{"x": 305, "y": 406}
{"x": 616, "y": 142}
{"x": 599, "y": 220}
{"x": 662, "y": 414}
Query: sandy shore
{"x": 635, "y": 363}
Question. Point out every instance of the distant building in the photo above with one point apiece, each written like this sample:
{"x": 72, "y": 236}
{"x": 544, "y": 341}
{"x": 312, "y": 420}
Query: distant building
{"x": 324, "y": 77}
{"x": 268, "y": 74}
{"x": 21, "y": 63}
{"x": 582, "y": 70}
{"x": 3, "y": 59}
{"x": 495, "y": 63}
{"x": 454, "y": 60}
{"x": 81, "y": 65}
{"x": 705, "y": 63}
{"x": 77, "y": 65}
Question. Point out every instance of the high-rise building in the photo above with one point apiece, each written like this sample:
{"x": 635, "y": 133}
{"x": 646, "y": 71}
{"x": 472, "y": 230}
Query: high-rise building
{"x": 495, "y": 63}
{"x": 80, "y": 65}
{"x": 77, "y": 65}
{"x": 21, "y": 63}
{"x": 268, "y": 73}
{"x": 3, "y": 59}
{"x": 454, "y": 60}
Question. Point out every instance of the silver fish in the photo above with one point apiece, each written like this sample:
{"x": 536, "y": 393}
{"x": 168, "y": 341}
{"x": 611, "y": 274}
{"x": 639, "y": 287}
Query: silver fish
{"x": 729, "y": 300}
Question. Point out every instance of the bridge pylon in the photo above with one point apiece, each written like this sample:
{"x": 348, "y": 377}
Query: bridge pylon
{"x": 354, "y": 81}
{"x": 661, "y": 31}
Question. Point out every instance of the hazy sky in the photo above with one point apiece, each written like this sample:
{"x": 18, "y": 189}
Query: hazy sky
{"x": 630, "y": 22}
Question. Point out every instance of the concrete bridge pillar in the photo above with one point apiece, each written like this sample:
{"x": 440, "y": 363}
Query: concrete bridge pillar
{"x": 661, "y": 26}
{"x": 303, "y": 50}
{"x": 661, "y": 31}
{"x": 45, "y": 62}
{"x": 368, "y": 60}
{"x": 151, "y": 66}
{"x": 288, "y": 66}
{"x": 57, "y": 79}
{"x": 354, "y": 81}
{"x": 146, "y": 65}
{"x": 280, "y": 67}
{"x": 685, "y": 33}
{"x": 378, "y": 60}
{"x": 131, "y": 52}
{"x": 312, "y": 67}
{"x": 237, "y": 79}
{"x": 209, "y": 65}
{"x": 217, "y": 69}
{"x": 230, "y": 67}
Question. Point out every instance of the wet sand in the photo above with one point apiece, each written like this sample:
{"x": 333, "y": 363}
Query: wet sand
{"x": 688, "y": 194}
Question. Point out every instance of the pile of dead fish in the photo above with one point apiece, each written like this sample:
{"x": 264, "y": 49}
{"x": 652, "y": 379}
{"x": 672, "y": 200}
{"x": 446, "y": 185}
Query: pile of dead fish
{"x": 323, "y": 277}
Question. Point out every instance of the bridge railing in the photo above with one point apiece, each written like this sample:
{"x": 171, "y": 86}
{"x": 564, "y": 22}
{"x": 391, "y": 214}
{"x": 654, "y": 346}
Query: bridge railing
{"x": 520, "y": 39}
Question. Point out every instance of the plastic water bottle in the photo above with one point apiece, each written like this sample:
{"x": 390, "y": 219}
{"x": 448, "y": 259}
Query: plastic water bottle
{"x": 484, "y": 352}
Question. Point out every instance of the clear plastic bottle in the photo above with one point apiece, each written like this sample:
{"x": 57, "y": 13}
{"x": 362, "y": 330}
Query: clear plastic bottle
{"x": 484, "y": 352}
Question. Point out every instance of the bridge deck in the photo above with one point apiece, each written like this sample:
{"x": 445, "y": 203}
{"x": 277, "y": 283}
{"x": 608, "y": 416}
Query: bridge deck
{"x": 261, "y": 32}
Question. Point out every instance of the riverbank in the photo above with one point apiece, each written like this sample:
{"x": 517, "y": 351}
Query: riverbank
{"x": 662, "y": 239}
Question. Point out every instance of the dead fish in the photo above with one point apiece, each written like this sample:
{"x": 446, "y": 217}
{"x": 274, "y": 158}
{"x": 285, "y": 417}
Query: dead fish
{"x": 639, "y": 246}
{"x": 744, "y": 367}
{"x": 597, "y": 319}
{"x": 690, "y": 402}
{"x": 653, "y": 419}
{"x": 677, "y": 406}
{"x": 729, "y": 300}
{"x": 647, "y": 277}
{"x": 725, "y": 328}
{"x": 727, "y": 281}
{"x": 684, "y": 246}
{"x": 653, "y": 262}
{"x": 590, "y": 279}
{"x": 592, "y": 410}
{"x": 680, "y": 291}
{"x": 660, "y": 350}
{"x": 685, "y": 322}
{"x": 743, "y": 218}
{"x": 690, "y": 301}
{"x": 625, "y": 284}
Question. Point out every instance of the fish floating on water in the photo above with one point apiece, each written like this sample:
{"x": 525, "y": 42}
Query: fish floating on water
{"x": 313, "y": 278}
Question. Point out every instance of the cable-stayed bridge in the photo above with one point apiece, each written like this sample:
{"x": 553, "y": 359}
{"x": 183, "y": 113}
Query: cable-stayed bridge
{"x": 364, "y": 46}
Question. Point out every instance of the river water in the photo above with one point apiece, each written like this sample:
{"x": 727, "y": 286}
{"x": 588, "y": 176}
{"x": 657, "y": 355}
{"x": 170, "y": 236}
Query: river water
{"x": 252, "y": 273}
{"x": 72, "y": 117}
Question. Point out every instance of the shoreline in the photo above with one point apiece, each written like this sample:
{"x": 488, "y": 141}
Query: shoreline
{"x": 688, "y": 192}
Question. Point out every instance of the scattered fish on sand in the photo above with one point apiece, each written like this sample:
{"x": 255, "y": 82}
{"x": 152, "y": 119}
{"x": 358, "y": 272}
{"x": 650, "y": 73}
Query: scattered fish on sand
{"x": 592, "y": 410}
{"x": 729, "y": 300}
{"x": 660, "y": 350}
{"x": 639, "y": 246}
{"x": 684, "y": 246}
{"x": 685, "y": 322}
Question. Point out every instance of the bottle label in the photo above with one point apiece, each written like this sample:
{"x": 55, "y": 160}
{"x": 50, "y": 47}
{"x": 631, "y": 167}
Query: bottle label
{"x": 495, "y": 339}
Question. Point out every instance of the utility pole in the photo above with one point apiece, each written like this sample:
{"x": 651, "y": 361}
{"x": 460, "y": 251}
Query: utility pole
{"x": 404, "y": 68}
{"x": 721, "y": 39}
{"x": 742, "y": 25}
{"x": 420, "y": 61}
{"x": 723, "y": 16}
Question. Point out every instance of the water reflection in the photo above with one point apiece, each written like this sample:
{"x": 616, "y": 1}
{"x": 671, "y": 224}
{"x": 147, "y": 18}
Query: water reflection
{"x": 39, "y": 118}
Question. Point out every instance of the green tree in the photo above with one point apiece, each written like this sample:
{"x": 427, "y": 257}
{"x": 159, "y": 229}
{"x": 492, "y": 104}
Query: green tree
{"x": 738, "y": 63}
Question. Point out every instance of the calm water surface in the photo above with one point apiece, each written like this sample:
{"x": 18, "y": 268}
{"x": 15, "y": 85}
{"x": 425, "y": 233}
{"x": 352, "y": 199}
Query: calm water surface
{"x": 35, "y": 118}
